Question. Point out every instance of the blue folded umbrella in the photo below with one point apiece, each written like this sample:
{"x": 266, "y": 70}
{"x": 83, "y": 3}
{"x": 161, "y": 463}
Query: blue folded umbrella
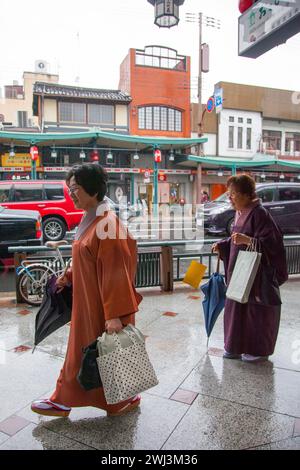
{"x": 214, "y": 301}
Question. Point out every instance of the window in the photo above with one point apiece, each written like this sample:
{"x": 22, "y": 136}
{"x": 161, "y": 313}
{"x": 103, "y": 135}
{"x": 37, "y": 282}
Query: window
{"x": 231, "y": 119}
{"x": 28, "y": 193}
{"x": 266, "y": 195}
{"x": 161, "y": 57}
{"x": 141, "y": 118}
{"x": 4, "y": 193}
{"x": 171, "y": 118}
{"x": 240, "y": 120}
{"x": 178, "y": 123}
{"x": 149, "y": 124}
{"x": 272, "y": 139}
{"x": 160, "y": 118}
{"x": 164, "y": 119}
{"x": 292, "y": 142}
{"x": 22, "y": 119}
{"x": 249, "y": 138}
{"x": 240, "y": 138}
{"x": 100, "y": 114}
{"x": 54, "y": 192}
{"x": 249, "y": 121}
{"x": 156, "y": 118}
{"x": 231, "y": 137}
{"x": 72, "y": 112}
{"x": 289, "y": 194}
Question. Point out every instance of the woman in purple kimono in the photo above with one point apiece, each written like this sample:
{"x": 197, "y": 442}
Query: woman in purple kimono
{"x": 251, "y": 329}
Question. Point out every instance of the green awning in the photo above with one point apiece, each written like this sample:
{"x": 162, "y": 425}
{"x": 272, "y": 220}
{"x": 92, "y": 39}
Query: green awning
{"x": 257, "y": 160}
{"x": 100, "y": 138}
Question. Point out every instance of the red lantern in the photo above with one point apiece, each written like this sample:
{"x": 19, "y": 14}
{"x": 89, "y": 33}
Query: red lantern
{"x": 34, "y": 152}
{"x": 157, "y": 156}
{"x": 245, "y": 5}
{"x": 95, "y": 156}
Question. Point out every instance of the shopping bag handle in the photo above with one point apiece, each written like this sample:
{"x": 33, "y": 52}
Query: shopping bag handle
{"x": 131, "y": 335}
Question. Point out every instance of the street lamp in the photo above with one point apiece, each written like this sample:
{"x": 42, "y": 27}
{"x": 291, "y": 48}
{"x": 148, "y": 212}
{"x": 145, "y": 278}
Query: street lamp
{"x": 166, "y": 12}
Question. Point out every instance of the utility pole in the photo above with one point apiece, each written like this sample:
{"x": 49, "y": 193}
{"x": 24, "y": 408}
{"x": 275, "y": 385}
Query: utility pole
{"x": 200, "y": 150}
{"x": 214, "y": 23}
{"x": 200, "y": 80}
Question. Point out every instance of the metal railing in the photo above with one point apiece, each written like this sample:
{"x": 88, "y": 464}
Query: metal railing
{"x": 158, "y": 265}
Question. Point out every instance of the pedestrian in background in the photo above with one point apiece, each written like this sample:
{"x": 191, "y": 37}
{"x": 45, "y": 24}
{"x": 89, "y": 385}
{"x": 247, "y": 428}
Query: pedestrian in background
{"x": 251, "y": 329}
{"x": 204, "y": 197}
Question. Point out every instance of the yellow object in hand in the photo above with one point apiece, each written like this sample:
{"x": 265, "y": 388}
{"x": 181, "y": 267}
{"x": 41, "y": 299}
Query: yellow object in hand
{"x": 194, "y": 274}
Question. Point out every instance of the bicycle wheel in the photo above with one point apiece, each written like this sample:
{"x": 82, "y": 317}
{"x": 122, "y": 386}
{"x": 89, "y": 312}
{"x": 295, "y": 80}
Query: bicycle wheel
{"x": 31, "y": 286}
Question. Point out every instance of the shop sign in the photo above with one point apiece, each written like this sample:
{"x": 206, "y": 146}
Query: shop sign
{"x": 19, "y": 160}
{"x": 162, "y": 177}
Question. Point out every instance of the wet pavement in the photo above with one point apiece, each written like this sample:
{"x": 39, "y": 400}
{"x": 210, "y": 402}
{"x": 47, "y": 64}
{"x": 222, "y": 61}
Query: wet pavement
{"x": 201, "y": 402}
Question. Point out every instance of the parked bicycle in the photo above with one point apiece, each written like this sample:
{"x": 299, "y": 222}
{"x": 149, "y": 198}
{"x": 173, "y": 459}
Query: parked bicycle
{"x": 33, "y": 277}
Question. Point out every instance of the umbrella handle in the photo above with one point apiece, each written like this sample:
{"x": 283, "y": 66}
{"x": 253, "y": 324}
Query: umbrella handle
{"x": 218, "y": 264}
{"x": 67, "y": 267}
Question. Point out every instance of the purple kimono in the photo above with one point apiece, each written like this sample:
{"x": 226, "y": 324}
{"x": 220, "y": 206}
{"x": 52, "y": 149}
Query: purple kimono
{"x": 252, "y": 328}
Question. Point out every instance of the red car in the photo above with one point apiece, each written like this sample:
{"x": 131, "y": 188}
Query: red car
{"x": 50, "y": 198}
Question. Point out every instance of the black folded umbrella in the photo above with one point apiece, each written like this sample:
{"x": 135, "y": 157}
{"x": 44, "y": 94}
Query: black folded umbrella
{"x": 55, "y": 310}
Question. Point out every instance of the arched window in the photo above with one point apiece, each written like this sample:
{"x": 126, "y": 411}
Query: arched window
{"x": 160, "y": 118}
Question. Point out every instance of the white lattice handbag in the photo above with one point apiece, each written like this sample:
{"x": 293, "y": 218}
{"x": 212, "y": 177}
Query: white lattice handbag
{"x": 124, "y": 365}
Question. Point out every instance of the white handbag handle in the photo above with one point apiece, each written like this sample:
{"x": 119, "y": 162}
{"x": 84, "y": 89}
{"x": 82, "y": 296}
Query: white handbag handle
{"x": 130, "y": 335}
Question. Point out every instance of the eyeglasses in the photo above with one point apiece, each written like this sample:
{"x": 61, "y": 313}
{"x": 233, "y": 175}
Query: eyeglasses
{"x": 231, "y": 193}
{"x": 72, "y": 189}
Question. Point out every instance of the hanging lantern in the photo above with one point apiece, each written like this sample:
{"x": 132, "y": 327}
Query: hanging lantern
{"x": 53, "y": 153}
{"x": 166, "y": 12}
{"x": 34, "y": 153}
{"x": 95, "y": 156}
{"x": 157, "y": 156}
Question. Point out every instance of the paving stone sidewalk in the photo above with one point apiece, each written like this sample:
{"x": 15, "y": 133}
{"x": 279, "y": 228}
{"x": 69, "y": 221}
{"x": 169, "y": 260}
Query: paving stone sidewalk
{"x": 202, "y": 401}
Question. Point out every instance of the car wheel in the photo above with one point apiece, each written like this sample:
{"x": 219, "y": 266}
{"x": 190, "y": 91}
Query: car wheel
{"x": 54, "y": 229}
{"x": 229, "y": 226}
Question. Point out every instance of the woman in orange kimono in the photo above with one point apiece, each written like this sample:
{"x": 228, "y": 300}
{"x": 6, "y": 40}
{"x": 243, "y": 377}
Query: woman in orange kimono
{"x": 104, "y": 260}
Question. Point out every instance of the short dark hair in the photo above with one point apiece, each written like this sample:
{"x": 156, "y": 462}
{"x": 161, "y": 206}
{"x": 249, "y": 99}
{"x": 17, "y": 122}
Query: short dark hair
{"x": 244, "y": 184}
{"x": 92, "y": 177}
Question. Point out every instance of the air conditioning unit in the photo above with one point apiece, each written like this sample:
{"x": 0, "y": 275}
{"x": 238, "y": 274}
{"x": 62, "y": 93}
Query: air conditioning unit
{"x": 41, "y": 66}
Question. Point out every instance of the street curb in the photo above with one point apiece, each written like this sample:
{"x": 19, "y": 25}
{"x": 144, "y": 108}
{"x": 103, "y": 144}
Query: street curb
{"x": 8, "y": 299}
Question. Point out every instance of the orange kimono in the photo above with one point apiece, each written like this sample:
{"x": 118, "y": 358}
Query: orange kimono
{"x": 102, "y": 274}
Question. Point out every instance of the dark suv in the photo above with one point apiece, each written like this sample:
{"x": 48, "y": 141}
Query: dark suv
{"x": 281, "y": 199}
{"x": 19, "y": 228}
